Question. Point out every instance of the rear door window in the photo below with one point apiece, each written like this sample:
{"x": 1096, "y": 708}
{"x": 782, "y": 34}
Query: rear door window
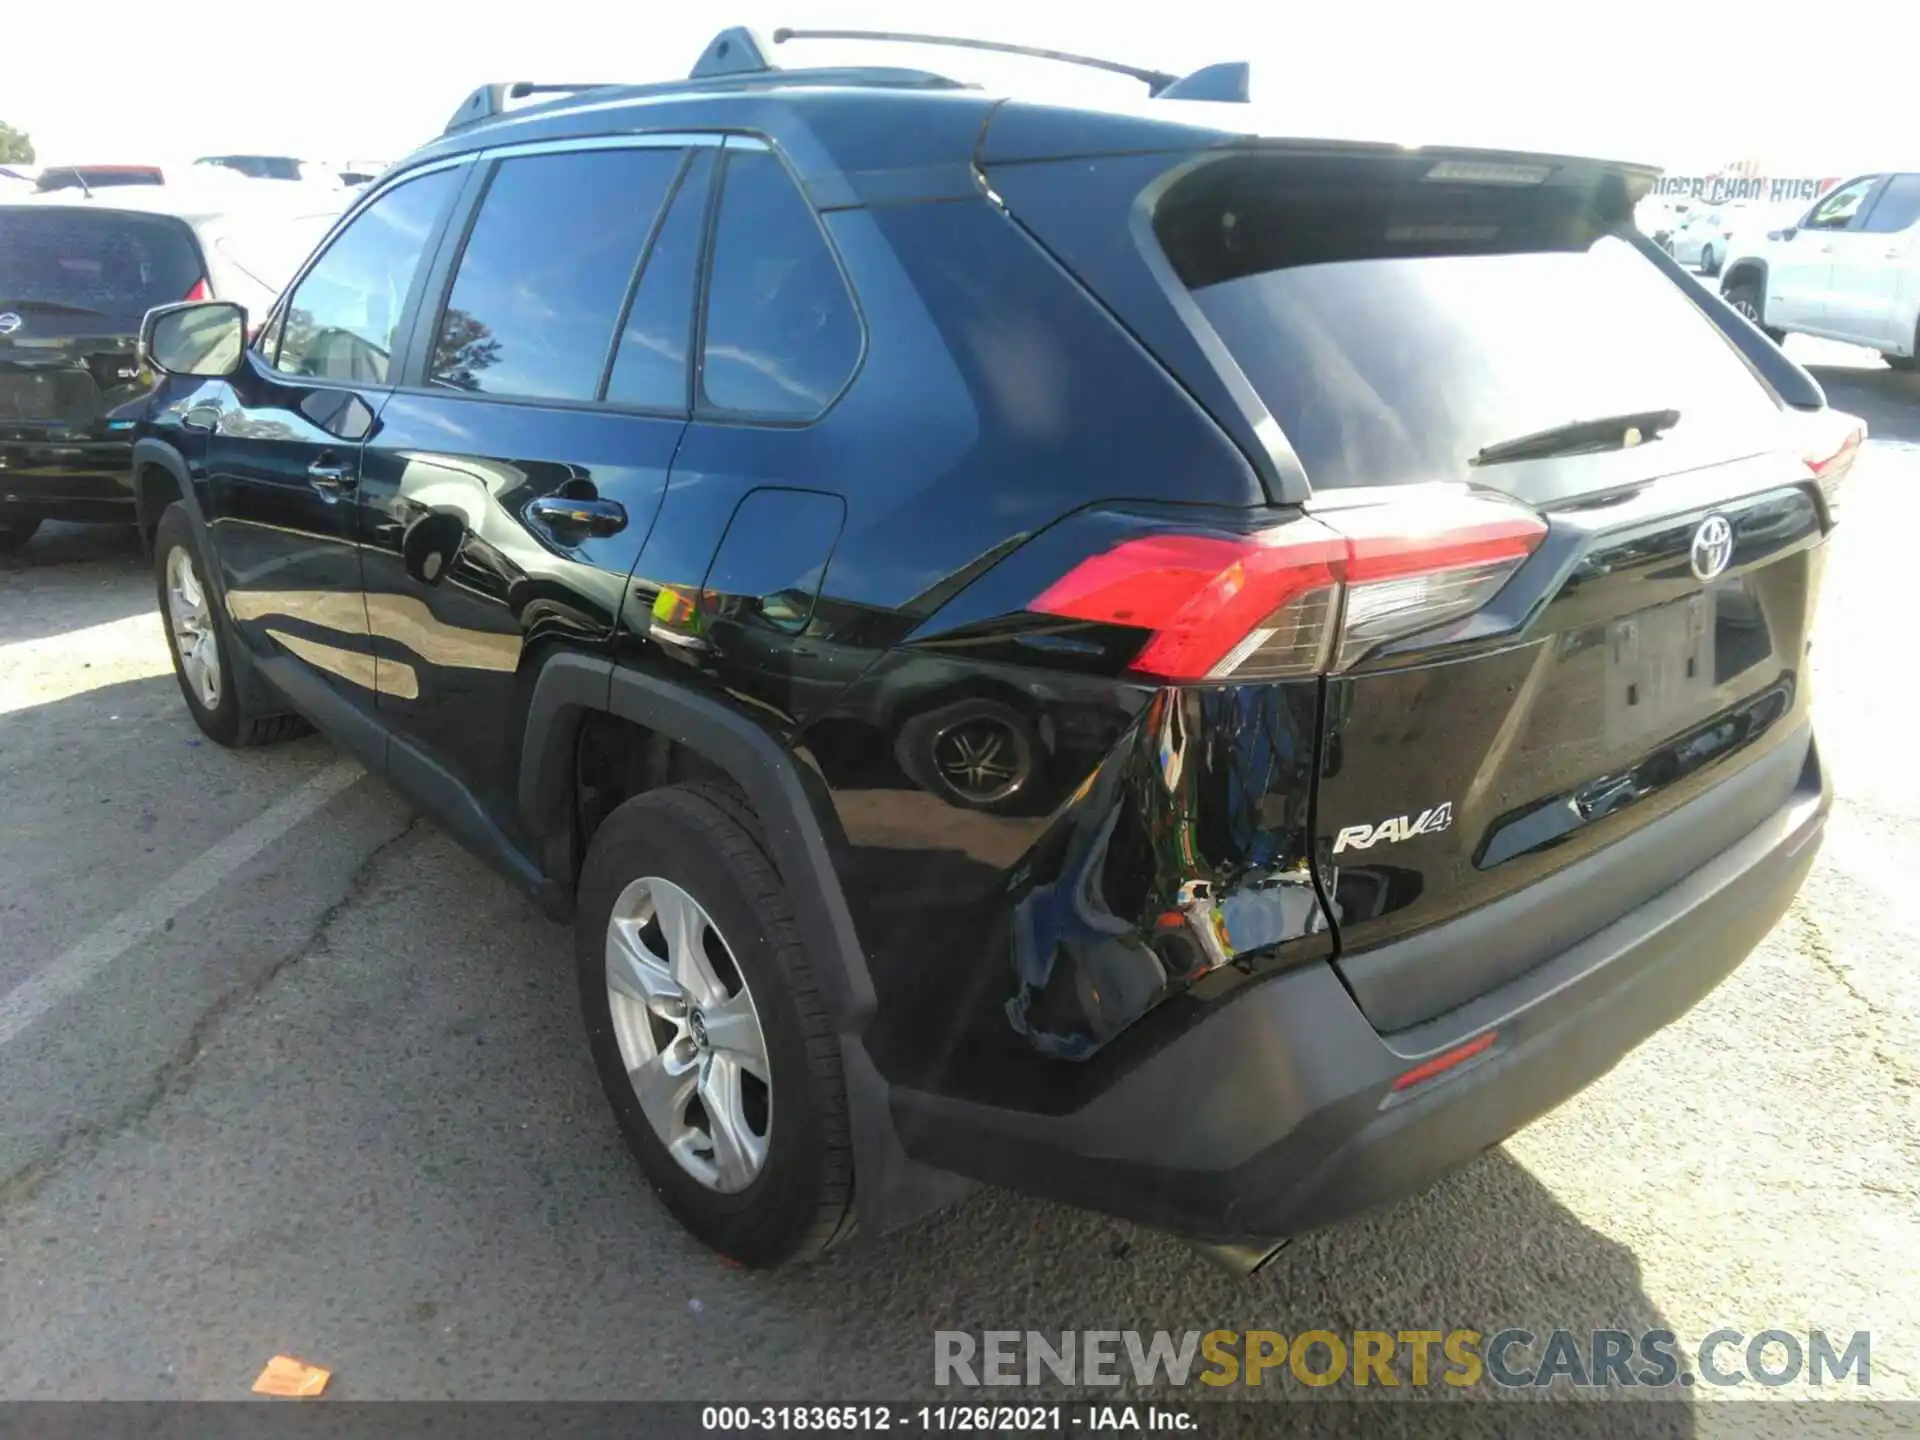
{"x": 650, "y": 369}
{"x": 1897, "y": 208}
{"x": 341, "y": 321}
{"x": 538, "y": 292}
{"x": 1396, "y": 331}
{"x": 94, "y": 262}
{"x": 782, "y": 336}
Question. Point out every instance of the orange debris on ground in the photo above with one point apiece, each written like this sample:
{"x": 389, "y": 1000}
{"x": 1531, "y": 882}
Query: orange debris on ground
{"x": 285, "y": 1375}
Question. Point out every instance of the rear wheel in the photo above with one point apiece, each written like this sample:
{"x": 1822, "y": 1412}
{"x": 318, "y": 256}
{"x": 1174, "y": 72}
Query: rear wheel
{"x": 1747, "y": 299}
{"x": 1906, "y": 362}
{"x": 15, "y": 533}
{"x": 196, "y": 634}
{"x": 707, "y": 1028}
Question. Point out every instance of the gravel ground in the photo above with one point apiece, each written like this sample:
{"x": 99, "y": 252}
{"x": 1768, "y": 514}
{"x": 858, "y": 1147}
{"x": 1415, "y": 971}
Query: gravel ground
{"x": 334, "y": 1105}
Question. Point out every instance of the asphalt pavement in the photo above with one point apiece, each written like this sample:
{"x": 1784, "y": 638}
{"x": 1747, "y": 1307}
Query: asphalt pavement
{"x": 282, "y": 1069}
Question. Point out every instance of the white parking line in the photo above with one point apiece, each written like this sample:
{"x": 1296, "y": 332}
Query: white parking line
{"x": 74, "y": 967}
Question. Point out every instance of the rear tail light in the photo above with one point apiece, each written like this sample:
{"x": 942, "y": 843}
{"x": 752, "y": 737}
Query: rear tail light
{"x": 1833, "y": 445}
{"x": 1313, "y": 595}
{"x": 199, "y": 291}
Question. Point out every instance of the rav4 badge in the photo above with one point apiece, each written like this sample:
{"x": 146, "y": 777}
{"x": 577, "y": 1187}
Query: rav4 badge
{"x": 1400, "y": 827}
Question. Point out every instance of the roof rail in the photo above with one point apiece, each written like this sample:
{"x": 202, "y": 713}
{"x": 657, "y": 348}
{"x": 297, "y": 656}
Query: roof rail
{"x": 1156, "y": 81}
{"x": 490, "y": 100}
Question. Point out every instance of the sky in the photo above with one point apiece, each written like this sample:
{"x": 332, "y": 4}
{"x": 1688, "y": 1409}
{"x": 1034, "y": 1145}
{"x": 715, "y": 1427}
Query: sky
{"x": 1649, "y": 80}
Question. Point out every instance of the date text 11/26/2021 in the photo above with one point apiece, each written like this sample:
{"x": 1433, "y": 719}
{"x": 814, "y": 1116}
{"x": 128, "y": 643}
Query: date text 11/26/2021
{"x": 989, "y": 1419}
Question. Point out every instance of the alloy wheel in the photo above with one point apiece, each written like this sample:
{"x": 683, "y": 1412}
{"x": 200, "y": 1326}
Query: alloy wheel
{"x": 984, "y": 759}
{"x": 689, "y": 1035}
{"x": 193, "y": 635}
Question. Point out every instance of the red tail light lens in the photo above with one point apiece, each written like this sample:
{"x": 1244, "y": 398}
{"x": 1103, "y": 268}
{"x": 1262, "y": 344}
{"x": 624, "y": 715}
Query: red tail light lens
{"x": 1833, "y": 446}
{"x": 1315, "y": 594}
{"x": 199, "y": 291}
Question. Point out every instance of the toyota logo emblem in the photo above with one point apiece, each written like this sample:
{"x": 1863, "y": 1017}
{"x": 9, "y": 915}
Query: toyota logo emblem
{"x": 10, "y": 322}
{"x": 1712, "y": 547}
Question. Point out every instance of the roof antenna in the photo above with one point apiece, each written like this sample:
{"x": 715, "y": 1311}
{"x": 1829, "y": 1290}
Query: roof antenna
{"x": 85, "y": 188}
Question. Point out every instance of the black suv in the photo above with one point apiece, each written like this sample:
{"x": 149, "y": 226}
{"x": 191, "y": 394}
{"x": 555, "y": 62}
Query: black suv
{"x": 1208, "y": 676}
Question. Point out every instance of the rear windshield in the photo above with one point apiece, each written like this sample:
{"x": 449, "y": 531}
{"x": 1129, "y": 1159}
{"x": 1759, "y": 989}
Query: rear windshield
{"x": 1395, "y": 328}
{"x": 104, "y": 262}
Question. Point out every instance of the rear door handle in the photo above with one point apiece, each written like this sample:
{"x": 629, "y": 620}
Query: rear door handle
{"x": 331, "y": 476}
{"x": 595, "y": 517}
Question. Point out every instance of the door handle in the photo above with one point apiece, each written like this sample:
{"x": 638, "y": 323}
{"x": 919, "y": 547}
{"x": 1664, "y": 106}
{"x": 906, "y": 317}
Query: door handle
{"x": 595, "y": 517}
{"x": 331, "y": 476}
{"x": 1893, "y": 254}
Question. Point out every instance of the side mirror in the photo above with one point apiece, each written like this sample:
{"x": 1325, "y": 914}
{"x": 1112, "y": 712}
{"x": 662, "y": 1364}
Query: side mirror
{"x": 201, "y": 337}
{"x": 1789, "y": 231}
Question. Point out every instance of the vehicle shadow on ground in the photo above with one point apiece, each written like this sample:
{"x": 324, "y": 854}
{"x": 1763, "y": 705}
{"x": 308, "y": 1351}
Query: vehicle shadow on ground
{"x": 396, "y": 1160}
{"x": 68, "y": 577}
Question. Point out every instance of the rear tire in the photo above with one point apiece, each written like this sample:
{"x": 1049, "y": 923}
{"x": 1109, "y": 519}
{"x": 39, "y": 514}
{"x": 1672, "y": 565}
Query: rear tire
{"x": 202, "y": 648}
{"x": 1906, "y": 362}
{"x": 15, "y": 533}
{"x": 781, "y": 1189}
{"x": 1747, "y": 299}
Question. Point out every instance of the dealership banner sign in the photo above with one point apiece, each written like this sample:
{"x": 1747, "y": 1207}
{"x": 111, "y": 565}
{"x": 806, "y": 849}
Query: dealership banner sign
{"x": 1717, "y": 189}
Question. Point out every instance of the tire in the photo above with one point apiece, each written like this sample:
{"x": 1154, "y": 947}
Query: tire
{"x": 655, "y": 853}
{"x": 15, "y": 533}
{"x": 1747, "y": 299}
{"x": 1907, "y": 363}
{"x": 217, "y": 708}
{"x": 943, "y": 751}
{"x": 1707, "y": 267}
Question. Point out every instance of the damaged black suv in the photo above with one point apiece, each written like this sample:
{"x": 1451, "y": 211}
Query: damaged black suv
{"x": 1104, "y": 650}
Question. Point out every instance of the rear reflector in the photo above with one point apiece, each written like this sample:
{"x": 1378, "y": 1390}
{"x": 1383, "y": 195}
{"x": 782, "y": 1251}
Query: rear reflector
{"x": 1445, "y": 1061}
{"x": 1306, "y": 597}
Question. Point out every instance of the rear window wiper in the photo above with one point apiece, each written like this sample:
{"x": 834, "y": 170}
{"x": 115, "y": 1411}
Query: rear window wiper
{"x": 1581, "y": 437}
{"x": 49, "y": 307}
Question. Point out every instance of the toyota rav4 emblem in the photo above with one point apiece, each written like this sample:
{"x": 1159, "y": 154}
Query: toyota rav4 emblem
{"x": 10, "y": 322}
{"x": 1712, "y": 546}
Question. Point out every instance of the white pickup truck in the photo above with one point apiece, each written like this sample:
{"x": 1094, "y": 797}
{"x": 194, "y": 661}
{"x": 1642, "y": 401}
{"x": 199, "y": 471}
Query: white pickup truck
{"x": 1849, "y": 270}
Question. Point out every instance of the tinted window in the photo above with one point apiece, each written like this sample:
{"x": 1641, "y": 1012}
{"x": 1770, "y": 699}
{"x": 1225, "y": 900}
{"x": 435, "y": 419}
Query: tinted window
{"x": 545, "y": 270}
{"x": 1837, "y": 211}
{"x": 103, "y": 261}
{"x": 1898, "y": 206}
{"x": 782, "y": 336}
{"x": 651, "y": 367}
{"x": 1387, "y": 371}
{"x": 341, "y": 320}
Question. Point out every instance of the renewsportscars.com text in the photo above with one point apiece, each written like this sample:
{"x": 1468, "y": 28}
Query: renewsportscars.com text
{"x": 1510, "y": 1359}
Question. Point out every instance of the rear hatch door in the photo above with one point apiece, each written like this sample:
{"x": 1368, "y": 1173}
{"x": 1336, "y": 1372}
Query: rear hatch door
{"x": 1398, "y": 321}
{"x": 74, "y": 284}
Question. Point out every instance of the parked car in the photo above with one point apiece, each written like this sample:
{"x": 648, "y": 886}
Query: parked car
{"x": 1700, "y": 240}
{"x": 1848, "y": 270}
{"x": 1416, "y": 681}
{"x": 77, "y": 273}
{"x": 97, "y": 177}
